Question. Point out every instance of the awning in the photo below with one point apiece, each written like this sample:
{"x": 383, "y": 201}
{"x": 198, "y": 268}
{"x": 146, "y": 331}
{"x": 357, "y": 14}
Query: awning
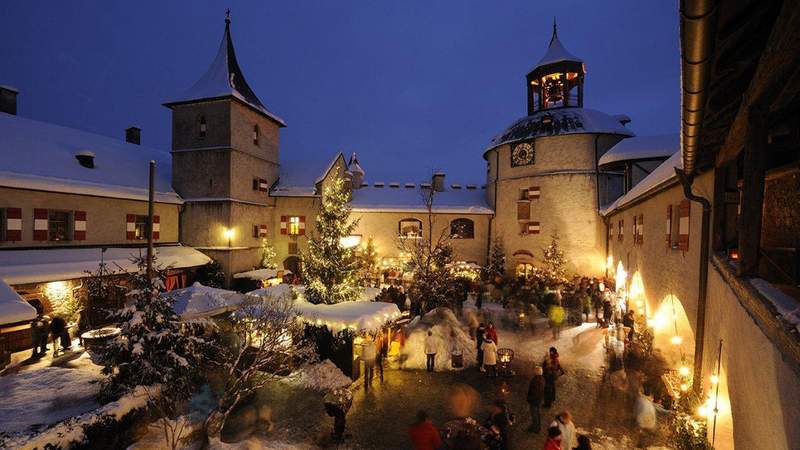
{"x": 59, "y": 264}
{"x": 13, "y": 308}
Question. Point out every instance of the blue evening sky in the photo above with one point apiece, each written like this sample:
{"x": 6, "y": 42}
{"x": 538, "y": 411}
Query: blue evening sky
{"x": 412, "y": 86}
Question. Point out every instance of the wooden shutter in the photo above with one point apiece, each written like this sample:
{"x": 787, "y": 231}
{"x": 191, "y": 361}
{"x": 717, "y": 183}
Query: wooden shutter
{"x": 302, "y": 226}
{"x": 621, "y": 230}
{"x": 130, "y": 227}
{"x": 284, "y": 225}
{"x": 292, "y": 248}
{"x": 610, "y": 231}
{"x": 534, "y": 192}
{"x": 13, "y": 224}
{"x": 534, "y": 228}
{"x": 79, "y": 225}
{"x": 262, "y": 231}
{"x": 683, "y": 225}
{"x": 255, "y": 231}
{"x": 523, "y": 210}
{"x": 262, "y": 185}
{"x": 156, "y": 228}
{"x": 40, "y": 224}
{"x": 255, "y": 184}
{"x": 669, "y": 226}
{"x": 635, "y": 230}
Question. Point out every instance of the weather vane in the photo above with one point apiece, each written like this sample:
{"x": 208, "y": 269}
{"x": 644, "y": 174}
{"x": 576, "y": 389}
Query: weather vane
{"x": 228, "y": 15}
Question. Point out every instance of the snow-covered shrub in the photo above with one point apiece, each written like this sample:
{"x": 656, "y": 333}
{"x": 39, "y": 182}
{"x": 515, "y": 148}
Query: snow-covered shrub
{"x": 450, "y": 337}
{"x": 211, "y": 275}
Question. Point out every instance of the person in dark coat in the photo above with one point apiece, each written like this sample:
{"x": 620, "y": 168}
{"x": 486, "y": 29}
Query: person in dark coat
{"x": 59, "y": 330}
{"x": 606, "y": 312}
{"x": 535, "y": 399}
{"x": 491, "y": 331}
{"x": 499, "y": 424}
{"x": 40, "y": 330}
{"x": 629, "y": 322}
{"x": 551, "y": 371}
{"x": 480, "y": 334}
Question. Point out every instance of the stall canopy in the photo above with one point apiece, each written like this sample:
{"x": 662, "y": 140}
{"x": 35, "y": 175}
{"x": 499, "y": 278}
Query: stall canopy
{"x": 362, "y": 315}
{"x": 13, "y": 308}
{"x": 198, "y": 301}
{"x": 262, "y": 274}
{"x": 59, "y": 264}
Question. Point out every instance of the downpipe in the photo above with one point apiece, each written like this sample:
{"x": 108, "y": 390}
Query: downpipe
{"x": 686, "y": 181}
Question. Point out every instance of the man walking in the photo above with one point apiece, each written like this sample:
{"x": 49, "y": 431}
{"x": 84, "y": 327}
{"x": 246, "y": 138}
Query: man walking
{"x": 535, "y": 398}
{"x": 368, "y": 355}
{"x": 430, "y": 351}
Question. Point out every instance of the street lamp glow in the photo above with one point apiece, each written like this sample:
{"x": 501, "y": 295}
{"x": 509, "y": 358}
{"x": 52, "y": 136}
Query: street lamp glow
{"x": 228, "y": 234}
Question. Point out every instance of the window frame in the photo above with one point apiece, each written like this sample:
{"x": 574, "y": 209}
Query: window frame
{"x": 67, "y": 221}
{"x": 202, "y": 126}
{"x": 293, "y": 225}
{"x": 465, "y": 224}
{"x": 409, "y": 219}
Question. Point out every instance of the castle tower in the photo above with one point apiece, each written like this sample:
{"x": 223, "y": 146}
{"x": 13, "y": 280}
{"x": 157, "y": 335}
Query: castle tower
{"x": 225, "y": 155}
{"x": 543, "y": 178}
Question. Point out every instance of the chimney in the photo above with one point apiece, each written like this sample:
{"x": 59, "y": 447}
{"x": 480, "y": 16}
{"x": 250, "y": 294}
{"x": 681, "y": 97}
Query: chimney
{"x": 8, "y": 100}
{"x": 438, "y": 181}
{"x": 133, "y": 135}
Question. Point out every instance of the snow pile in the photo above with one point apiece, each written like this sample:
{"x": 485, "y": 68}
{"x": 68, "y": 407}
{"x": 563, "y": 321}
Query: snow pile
{"x": 261, "y": 274}
{"x": 278, "y": 291}
{"x": 258, "y": 443}
{"x": 323, "y": 376}
{"x": 787, "y": 307}
{"x": 39, "y": 397}
{"x": 12, "y": 307}
{"x": 449, "y": 334}
{"x": 202, "y": 301}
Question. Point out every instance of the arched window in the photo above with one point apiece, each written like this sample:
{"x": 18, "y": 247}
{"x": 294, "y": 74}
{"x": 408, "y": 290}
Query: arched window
{"x": 202, "y": 127}
{"x": 410, "y": 228}
{"x": 255, "y": 134}
{"x": 462, "y": 229}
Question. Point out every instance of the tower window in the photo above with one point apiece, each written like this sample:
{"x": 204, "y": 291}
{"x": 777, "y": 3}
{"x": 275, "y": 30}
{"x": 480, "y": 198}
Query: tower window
{"x": 255, "y": 134}
{"x": 462, "y": 229}
{"x": 202, "y": 126}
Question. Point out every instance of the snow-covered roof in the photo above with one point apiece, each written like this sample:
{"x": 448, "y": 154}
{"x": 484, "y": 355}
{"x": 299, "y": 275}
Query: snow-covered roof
{"x": 353, "y": 166}
{"x": 58, "y": 264}
{"x": 261, "y": 274}
{"x": 299, "y": 178}
{"x": 224, "y": 78}
{"x": 41, "y": 156}
{"x": 198, "y": 301}
{"x": 12, "y": 307}
{"x": 556, "y": 53}
{"x": 403, "y": 199}
{"x": 660, "y": 176}
{"x": 642, "y": 147}
{"x": 560, "y": 121}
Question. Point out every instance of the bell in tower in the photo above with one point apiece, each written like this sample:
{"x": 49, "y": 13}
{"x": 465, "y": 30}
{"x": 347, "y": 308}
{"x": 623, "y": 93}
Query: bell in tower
{"x": 557, "y": 79}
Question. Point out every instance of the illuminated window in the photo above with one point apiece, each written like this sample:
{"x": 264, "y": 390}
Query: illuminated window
{"x": 524, "y": 270}
{"x": 255, "y": 134}
{"x": 410, "y": 228}
{"x": 140, "y": 228}
{"x": 294, "y": 225}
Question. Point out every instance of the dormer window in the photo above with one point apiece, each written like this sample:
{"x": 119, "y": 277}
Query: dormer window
{"x": 202, "y": 126}
{"x": 255, "y": 134}
{"x": 85, "y": 159}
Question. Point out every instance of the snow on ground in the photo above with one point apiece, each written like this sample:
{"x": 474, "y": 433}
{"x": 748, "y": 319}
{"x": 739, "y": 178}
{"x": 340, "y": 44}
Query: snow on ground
{"x": 36, "y": 398}
{"x": 261, "y": 274}
{"x": 259, "y": 443}
{"x": 450, "y": 336}
{"x": 321, "y": 376}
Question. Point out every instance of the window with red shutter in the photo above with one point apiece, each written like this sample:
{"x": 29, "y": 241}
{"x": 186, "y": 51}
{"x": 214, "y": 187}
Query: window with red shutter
{"x": 669, "y": 226}
{"x": 40, "y": 224}
{"x": 13, "y": 224}
{"x": 156, "y": 227}
{"x": 79, "y": 225}
{"x": 684, "y": 210}
{"x": 523, "y": 210}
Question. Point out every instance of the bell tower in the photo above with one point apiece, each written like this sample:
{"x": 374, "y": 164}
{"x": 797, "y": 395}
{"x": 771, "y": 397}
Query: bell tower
{"x": 225, "y": 158}
{"x": 557, "y": 79}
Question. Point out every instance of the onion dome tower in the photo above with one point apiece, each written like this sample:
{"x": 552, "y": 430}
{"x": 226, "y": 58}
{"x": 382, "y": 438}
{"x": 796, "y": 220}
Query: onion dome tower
{"x": 557, "y": 79}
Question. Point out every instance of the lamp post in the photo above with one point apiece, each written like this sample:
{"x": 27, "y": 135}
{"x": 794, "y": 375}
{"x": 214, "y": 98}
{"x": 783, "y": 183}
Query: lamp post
{"x": 228, "y": 233}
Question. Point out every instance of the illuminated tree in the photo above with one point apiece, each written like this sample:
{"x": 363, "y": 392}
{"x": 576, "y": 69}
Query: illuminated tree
{"x": 267, "y": 256}
{"x": 368, "y": 261}
{"x": 331, "y": 270}
{"x": 497, "y": 259}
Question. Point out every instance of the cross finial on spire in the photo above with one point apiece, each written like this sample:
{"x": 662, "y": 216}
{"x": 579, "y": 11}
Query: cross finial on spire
{"x": 228, "y": 15}
{"x": 555, "y": 30}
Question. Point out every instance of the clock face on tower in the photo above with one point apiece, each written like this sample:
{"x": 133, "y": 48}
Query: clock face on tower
{"x": 522, "y": 154}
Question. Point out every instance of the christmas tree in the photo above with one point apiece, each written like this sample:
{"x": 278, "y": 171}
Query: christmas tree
{"x": 368, "y": 261}
{"x": 267, "y": 256}
{"x": 497, "y": 259}
{"x": 331, "y": 270}
{"x": 155, "y": 346}
{"x": 554, "y": 270}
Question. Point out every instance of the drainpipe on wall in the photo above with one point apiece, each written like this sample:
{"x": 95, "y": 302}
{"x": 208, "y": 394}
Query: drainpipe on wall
{"x": 686, "y": 182}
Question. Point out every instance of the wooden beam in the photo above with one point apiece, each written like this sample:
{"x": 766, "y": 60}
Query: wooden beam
{"x": 775, "y": 69}
{"x": 754, "y": 163}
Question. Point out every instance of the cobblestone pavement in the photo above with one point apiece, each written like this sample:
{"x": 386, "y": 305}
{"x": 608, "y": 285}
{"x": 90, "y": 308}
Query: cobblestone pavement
{"x": 379, "y": 417}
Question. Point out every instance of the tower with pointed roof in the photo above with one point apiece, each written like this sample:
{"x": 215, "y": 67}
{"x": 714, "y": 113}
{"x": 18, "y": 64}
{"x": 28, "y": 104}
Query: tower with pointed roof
{"x": 225, "y": 157}
{"x": 557, "y": 79}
